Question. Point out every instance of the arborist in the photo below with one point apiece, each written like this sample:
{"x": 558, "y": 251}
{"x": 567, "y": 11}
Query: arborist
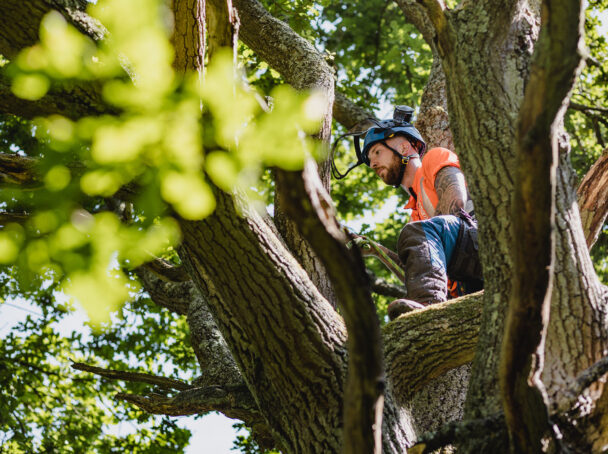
{"x": 440, "y": 241}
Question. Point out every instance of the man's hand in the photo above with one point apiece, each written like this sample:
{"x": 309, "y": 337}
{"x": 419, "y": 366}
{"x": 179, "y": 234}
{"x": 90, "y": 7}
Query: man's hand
{"x": 451, "y": 191}
{"x": 365, "y": 245}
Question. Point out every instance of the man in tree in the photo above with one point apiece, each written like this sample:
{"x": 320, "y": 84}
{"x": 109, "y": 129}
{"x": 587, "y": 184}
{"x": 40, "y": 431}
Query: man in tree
{"x": 441, "y": 242}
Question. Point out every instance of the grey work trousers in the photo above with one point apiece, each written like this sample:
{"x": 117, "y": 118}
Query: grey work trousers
{"x": 436, "y": 249}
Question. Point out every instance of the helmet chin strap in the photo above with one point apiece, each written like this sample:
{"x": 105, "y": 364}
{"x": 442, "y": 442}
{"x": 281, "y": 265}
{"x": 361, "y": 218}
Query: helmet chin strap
{"x": 401, "y": 173}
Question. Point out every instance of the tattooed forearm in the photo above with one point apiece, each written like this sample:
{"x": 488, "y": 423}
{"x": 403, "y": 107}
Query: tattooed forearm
{"x": 451, "y": 191}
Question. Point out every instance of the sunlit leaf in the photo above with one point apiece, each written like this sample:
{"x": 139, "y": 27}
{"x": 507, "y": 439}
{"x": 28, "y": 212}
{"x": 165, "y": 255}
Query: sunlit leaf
{"x": 189, "y": 194}
{"x": 31, "y": 87}
{"x": 222, "y": 169}
{"x": 57, "y": 178}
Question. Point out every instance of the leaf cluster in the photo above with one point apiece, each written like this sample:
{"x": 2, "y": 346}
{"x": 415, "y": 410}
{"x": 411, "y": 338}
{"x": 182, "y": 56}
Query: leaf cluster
{"x": 45, "y": 406}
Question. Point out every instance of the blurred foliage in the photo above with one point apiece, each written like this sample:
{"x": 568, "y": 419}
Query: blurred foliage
{"x": 154, "y": 144}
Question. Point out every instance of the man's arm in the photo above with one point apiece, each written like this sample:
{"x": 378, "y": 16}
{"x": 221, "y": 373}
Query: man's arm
{"x": 451, "y": 191}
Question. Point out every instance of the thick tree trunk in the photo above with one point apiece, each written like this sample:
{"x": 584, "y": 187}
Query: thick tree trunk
{"x": 577, "y": 335}
{"x": 496, "y": 63}
{"x": 484, "y": 130}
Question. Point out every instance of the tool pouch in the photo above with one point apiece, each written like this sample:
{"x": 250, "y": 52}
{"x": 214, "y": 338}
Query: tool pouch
{"x": 465, "y": 265}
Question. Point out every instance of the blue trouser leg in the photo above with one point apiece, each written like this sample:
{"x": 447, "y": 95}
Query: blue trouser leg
{"x": 426, "y": 248}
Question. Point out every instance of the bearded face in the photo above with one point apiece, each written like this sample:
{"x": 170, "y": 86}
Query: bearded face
{"x": 389, "y": 171}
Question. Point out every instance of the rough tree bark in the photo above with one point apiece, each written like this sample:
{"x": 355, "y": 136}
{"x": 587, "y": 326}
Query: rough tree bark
{"x": 496, "y": 61}
{"x": 287, "y": 343}
{"x": 593, "y": 199}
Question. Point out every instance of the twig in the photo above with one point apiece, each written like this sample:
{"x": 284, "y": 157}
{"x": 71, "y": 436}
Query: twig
{"x": 583, "y": 381}
{"x": 381, "y": 287}
{"x": 583, "y": 108}
{"x": 456, "y": 431}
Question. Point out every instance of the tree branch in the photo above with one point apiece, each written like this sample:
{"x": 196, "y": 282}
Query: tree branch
{"x": 545, "y": 100}
{"x": 583, "y": 108}
{"x": 19, "y": 28}
{"x": 416, "y": 351}
{"x": 381, "y": 287}
{"x": 72, "y": 100}
{"x": 310, "y": 207}
{"x": 593, "y": 199}
{"x": 458, "y": 431}
{"x": 268, "y": 311}
{"x": 583, "y": 381}
{"x": 233, "y": 401}
{"x": 21, "y": 172}
{"x": 188, "y": 402}
{"x": 17, "y": 218}
{"x": 217, "y": 364}
{"x": 416, "y": 15}
{"x": 18, "y": 172}
{"x": 274, "y": 40}
{"x": 188, "y": 34}
{"x": 137, "y": 377}
{"x": 435, "y": 10}
{"x": 20, "y": 22}
{"x": 219, "y": 26}
{"x": 175, "y": 296}
{"x": 304, "y": 68}
{"x": 347, "y": 113}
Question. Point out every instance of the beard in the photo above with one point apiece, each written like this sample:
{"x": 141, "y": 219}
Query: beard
{"x": 392, "y": 171}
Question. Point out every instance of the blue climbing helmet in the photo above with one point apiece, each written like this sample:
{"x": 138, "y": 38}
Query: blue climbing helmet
{"x": 380, "y": 132}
